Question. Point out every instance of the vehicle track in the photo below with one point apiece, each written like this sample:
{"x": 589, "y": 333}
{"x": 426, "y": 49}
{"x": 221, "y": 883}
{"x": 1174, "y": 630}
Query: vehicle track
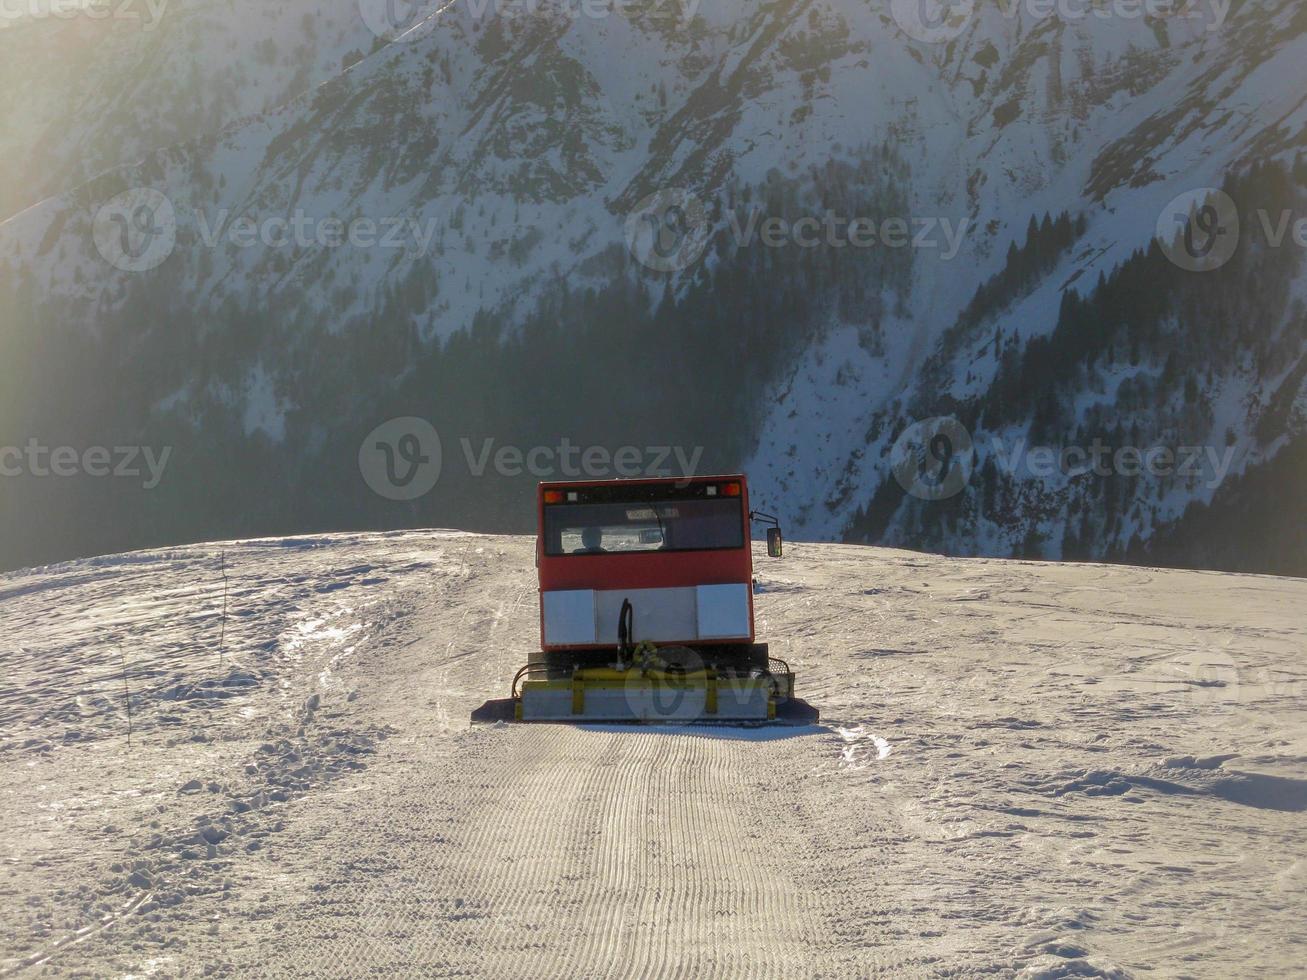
{"x": 562, "y": 852}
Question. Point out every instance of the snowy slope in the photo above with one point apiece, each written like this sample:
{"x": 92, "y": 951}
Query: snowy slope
{"x": 1022, "y": 769}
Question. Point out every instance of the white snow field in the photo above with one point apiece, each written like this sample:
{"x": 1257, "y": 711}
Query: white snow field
{"x": 1021, "y": 770}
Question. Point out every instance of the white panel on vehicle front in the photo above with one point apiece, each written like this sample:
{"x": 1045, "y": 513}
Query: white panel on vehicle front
{"x": 676, "y": 615}
{"x": 661, "y": 615}
{"x": 570, "y": 618}
{"x": 723, "y": 611}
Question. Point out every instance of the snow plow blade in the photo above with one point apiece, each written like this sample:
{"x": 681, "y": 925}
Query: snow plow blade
{"x": 650, "y": 697}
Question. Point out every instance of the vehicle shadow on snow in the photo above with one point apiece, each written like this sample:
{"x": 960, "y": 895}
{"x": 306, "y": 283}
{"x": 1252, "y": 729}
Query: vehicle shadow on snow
{"x": 741, "y": 733}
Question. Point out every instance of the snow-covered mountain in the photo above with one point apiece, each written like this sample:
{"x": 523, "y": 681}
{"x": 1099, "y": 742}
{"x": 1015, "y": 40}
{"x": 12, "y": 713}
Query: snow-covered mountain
{"x": 350, "y": 219}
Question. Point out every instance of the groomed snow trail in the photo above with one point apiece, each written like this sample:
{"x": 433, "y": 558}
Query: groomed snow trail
{"x": 577, "y": 853}
{"x": 1022, "y": 769}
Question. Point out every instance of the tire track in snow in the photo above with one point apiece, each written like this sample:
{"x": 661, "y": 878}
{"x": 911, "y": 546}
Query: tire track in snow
{"x": 565, "y": 852}
{"x": 650, "y": 845}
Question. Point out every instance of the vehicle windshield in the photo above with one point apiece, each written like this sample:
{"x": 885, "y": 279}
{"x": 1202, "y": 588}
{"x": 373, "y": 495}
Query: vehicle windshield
{"x": 679, "y": 525}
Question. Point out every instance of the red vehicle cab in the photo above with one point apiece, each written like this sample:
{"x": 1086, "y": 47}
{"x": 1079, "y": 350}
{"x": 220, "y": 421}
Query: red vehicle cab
{"x": 676, "y": 550}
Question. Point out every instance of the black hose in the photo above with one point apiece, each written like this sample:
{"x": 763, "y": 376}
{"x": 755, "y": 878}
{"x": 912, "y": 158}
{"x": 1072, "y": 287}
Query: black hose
{"x": 532, "y": 668}
{"x": 626, "y": 630}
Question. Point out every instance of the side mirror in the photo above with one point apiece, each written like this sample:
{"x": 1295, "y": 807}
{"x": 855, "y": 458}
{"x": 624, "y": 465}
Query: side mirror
{"x": 775, "y": 543}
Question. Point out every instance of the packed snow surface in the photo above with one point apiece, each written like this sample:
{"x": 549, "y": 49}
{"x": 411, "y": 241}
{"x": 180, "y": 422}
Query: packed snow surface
{"x": 1023, "y": 769}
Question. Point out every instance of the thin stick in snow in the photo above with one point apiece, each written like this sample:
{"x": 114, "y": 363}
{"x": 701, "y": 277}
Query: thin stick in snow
{"x": 127, "y": 694}
{"x": 222, "y": 635}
